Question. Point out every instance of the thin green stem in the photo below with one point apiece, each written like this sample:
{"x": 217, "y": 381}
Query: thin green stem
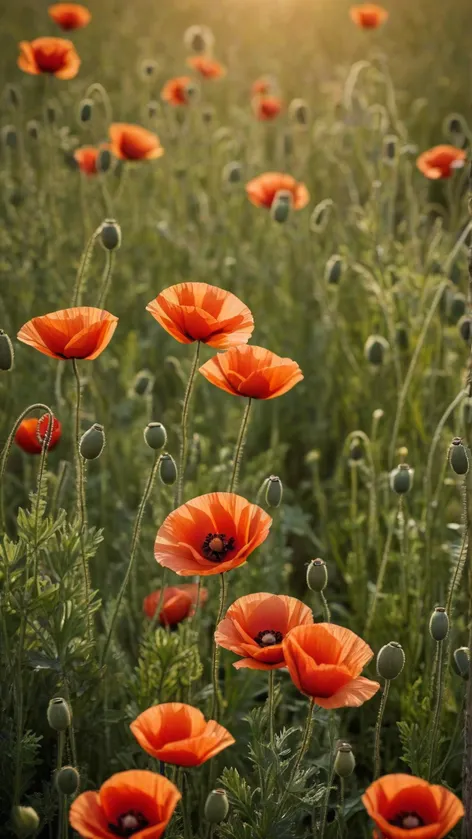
{"x": 462, "y": 553}
{"x": 332, "y": 755}
{"x": 341, "y": 808}
{"x": 326, "y": 611}
{"x": 437, "y": 709}
{"x": 184, "y": 428}
{"x": 381, "y": 574}
{"x": 84, "y": 265}
{"x": 80, "y": 489}
{"x": 106, "y": 279}
{"x": 238, "y": 452}
{"x": 42, "y": 464}
{"x": 378, "y": 729}
{"x": 271, "y": 707}
{"x": 216, "y": 701}
{"x": 307, "y": 732}
{"x": 71, "y": 730}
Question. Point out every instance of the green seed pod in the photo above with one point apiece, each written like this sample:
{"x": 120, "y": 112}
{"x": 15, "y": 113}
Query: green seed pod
{"x": 317, "y": 575}
{"x": 216, "y": 806}
{"x": 24, "y": 820}
{"x": 401, "y": 479}
{"x": 7, "y": 355}
{"x": 459, "y": 457}
{"x": 457, "y": 306}
{"x": 50, "y": 113}
{"x": 104, "y": 160}
{"x": 9, "y": 136}
{"x": 208, "y": 114}
{"x": 33, "y": 129}
{"x": 59, "y": 714}
{"x": 334, "y": 269}
{"x": 356, "y": 452}
{"x": 92, "y": 442}
{"x": 148, "y": 68}
{"x": 321, "y": 215}
{"x": 439, "y": 624}
{"x": 110, "y": 234}
{"x": 454, "y": 125}
{"x": 390, "y": 146}
{"x": 232, "y": 172}
{"x": 298, "y": 112}
{"x": 86, "y": 110}
{"x": 465, "y": 329}
{"x": 375, "y": 349}
{"x": 153, "y": 108}
{"x": 461, "y": 662}
{"x": 67, "y": 780}
{"x": 167, "y": 469}
{"x": 390, "y": 661}
{"x": 281, "y": 206}
{"x": 198, "y": 38}
{"x": 402, "y": 338}
{"x": 143, "y": 383}
{"x": 345, "y": 762}
{"x": 155, "y": 436}
{"x": 274, "y": 491}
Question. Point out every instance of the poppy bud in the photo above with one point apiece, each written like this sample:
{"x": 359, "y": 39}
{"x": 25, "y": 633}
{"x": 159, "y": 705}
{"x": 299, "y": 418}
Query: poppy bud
{"x": 375, "y": 349}
{"x": 459, "y": 457}
{"x": 334, "y": 269}
{"x": 59, "y": 714}
{"x": 208, "y": 114}
{"x": 25, "y": 821}
{"x": 439, "y": 624}
{"x": 92, "y": 442}
{"x": 321, "y": 215}
{"x": 13, "y": 96}
{"x": 216, "y": 806}
{"x": 153, "y": 108}
{"x": 9, "y": 136}
{"x": 198, "y": 38}
{"x": 345, "y": 762}
{"x": 50, "y": 113}
{"x": 104, "y": 159}
{"x": 390, "y": 148}
{"x": 401, "y": 479}
{"x": 378, "y": 414}
{"x": 317, "y": 575}
{"x": 192, "y": 91}
{"x": 232, "y": 172}
{"x": 143, "y": 383}
{"x": 461, "y": 662}
{"x": 167, "y": 469}
{"x": 281, "y": 205}
{"x": 356, "y": 452}
{"x": 86, "y": 110}
{"x": 390, "y": 661}
{"x": 148, "y": 68}
{"x": 465, "y": 329}
{"x": 274, "y": 491}
{"x": 454, "y": 124}
{"x": 33, "y": 129}
{"x": 298, "y": 111}
{"x": 7, "y": 355}
{"x": 67, "y": 780}
{"x": 110, "y": 234}
{"x": 402, "y": 337}
{"x": 155, "y": 436}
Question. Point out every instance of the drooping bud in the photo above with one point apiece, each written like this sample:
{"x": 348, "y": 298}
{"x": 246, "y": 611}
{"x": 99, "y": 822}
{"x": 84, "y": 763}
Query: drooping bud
{"x": 455, "y": 125}
{"x": 317, "y": 575}
{"x": 375, "y": 349}
{"x": 459, "y": 457}
{"x": 104, "y": 159}
{"x": 216, "y": 806}
{"x": 390, "y": 661}
{"x": 33, "y": 129}
{"x": 7, "y": 355}
{"x": 465, "y": 329}
{"x": 402, "y": 337}
{"x": 461, "y": 662}
{"x": 298, "y": 111}
{"x": 334, "y": 269}
{"x": 401, "y": 479}
{"x": 67, "y": 780}
{"x": 232, "y": 172}
{"x": 92, "y": 442}
{"x": 25, "y": 821}
{"x": 13, "y": 96}
{"x": 274, "y": 491}
{"x": 439, "y": 624}
{"x": 59, "y": 714}
{"x": 155, "y": 436}
{"x": 390, "y": 148}
{"x": 9, "y": 136}
{"x": 110, "y": 234}
{"x": 143, "y": 383}
{"x": 320, "y": 216}
{"x": 86, "y": 110}
{"x": 148, "y": 68}
{"x": 167, "y": 469}
{"x": 345, "y": 762}
{"x": 198, "y": 38}
{"x": 356, "y": 452}
{"x": 281, "y": 206}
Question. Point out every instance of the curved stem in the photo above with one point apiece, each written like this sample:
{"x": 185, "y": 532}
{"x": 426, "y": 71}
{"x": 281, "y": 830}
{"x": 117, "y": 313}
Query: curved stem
{"x": 83, "y": 267}
{"x": 184, "y": 427}
{"x": 437, "y": 710}
{"x": 215, "y": 707}
{"x": 106, "y": 279}
{"x": 271, "y": 706}
{"x": 326, "y": 611}
{"x": 96, "y": 87}
{"x": 238, "y": 452}
{"x": 378, "y": 729}
{"x": 462, "y": 553}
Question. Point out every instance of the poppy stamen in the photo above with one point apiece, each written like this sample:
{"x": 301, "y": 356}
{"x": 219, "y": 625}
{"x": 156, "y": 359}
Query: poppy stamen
{"x": 216, "y": 546}
{"x": 268, "y": 637}
{"x": 129, "y": 823}
{"x": 407, "y": 821}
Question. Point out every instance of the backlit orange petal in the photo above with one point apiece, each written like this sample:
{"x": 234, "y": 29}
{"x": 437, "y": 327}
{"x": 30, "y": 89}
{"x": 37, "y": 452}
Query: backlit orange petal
{"x": 26, "y": 60}
{"x": 133, "y": 142}
{"x": 87, "y": 817}
{"x": 351, "y": 695}
{"x": 69, "y": 15}
{"x": 393, "y": 794}
{"x": 355, "y": 652}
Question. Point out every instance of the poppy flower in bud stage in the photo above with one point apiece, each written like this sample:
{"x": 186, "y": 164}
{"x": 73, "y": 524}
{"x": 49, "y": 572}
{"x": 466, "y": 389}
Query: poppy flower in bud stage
{"x": 255, "y": 626}
{"x": 54, "y": 56}
{"x": 179, "y": 734}
{"x": 262, "y": 190}
{"x": 69, "y": 15}
{"x": 368, "y": 15}
{"x": 134, "y": 803}
{"x": 441, "y": 161}
{"x": 178, "y": 603}
{"x": 32, "y": 432}
{"x": 266, "y": 107}
{"x": 79, "y": 332}
{"x": 325, "y": 661}
{"x": 253, "y": 372}
{"x": 175, "y": 91}
{"x": 133, "y": 142}
{"x": 86, "y": 159}
{"x": 207, "y": 67}
{"x": 211, "y": 534}
{"x": 202, "y": 312}
{"x": 404, "y": 806}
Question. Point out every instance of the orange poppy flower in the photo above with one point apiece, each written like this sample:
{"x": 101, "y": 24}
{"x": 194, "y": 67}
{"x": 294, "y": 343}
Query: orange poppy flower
{"x": 179, "y": 734}
{"x": 178, "y": 603}
{"x": 32, "y": 432}
{"x": 262, "y": 190}
{"x": 403, "y": 805}
{"x": 202, "y": 312}
{"x": 132, "y": 142}
{"x": 69, "y": 15}
{"x": 207, "y": 67}
{"x": 49, "y": 55}
{"x": 86, "y": 159}
{"x": 324, "y": 662}
{"x": 441, "y": 161}
{"x": 80, "y": 332}
{"x": 134, "y": 803}
{"x": 211, "y": 534}
{"x": 368, "y": 15}
{"x": 253, "y": 372}
{"x": 255, "y": 626}
{"x": 266, "y": 107}
{"x": 175, "y": 91}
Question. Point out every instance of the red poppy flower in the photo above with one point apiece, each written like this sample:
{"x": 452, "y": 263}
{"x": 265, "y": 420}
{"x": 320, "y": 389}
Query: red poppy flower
{"x": 69, "y": 15}
{"x": 55, "y": 56}
{"x": 32, "y": 432}
{"x": 441, "y": 161}
{"x": 207, "y": 67}
{"x": 178, "y": 603}
{"x": 135, "y": 803}
{"x": 86, "y": 159}
{"x": 262, "y": 190}
{"x": 175, "y": 91}
{"x": 368, "y": 15}
{"x": 266, "y": 107}
{"x": 255, "y": 626}
{"x": 80, "y": 332}
{"x": 253, "y": 372}
{"x": 324, "y": 662}
{"x": 211, "y": 534}
{"x": 201, "y": 312}
{"x": 403, "y": 806}
{"x": 132, "y": 142}
{"x": 179, "y": 734}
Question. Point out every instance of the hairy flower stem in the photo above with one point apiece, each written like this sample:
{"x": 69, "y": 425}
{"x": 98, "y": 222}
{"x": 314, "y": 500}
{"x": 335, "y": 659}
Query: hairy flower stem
{"x": 341, "y": 825}
{"x": 184, "y": 428}
{"x": 84, "y": 267}
{"x": 329, "y": 784}
{"x": 238, "y": 452}
{"x": 325, "y": 607}
{"x": 437, "y": 708}
{"x": 306, "y": 737}
{"x": 80, "y": 488}
{"x": 133, "y": 552}
{"x": 378, "y": 729}
{"x": 42, "y": 464}
{"x": 106, "y": 278}
{"x": 216, "y": 702}
{"x": 381, "y": 574}
{"x": 271, "y": 707}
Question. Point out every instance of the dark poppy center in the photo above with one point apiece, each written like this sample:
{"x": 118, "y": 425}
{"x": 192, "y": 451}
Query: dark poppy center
{"x": 129, "y": 823}
{"x": 268, "y": 637}
{"x": 407, "y": 820}
{"x": 216, "y": 546}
